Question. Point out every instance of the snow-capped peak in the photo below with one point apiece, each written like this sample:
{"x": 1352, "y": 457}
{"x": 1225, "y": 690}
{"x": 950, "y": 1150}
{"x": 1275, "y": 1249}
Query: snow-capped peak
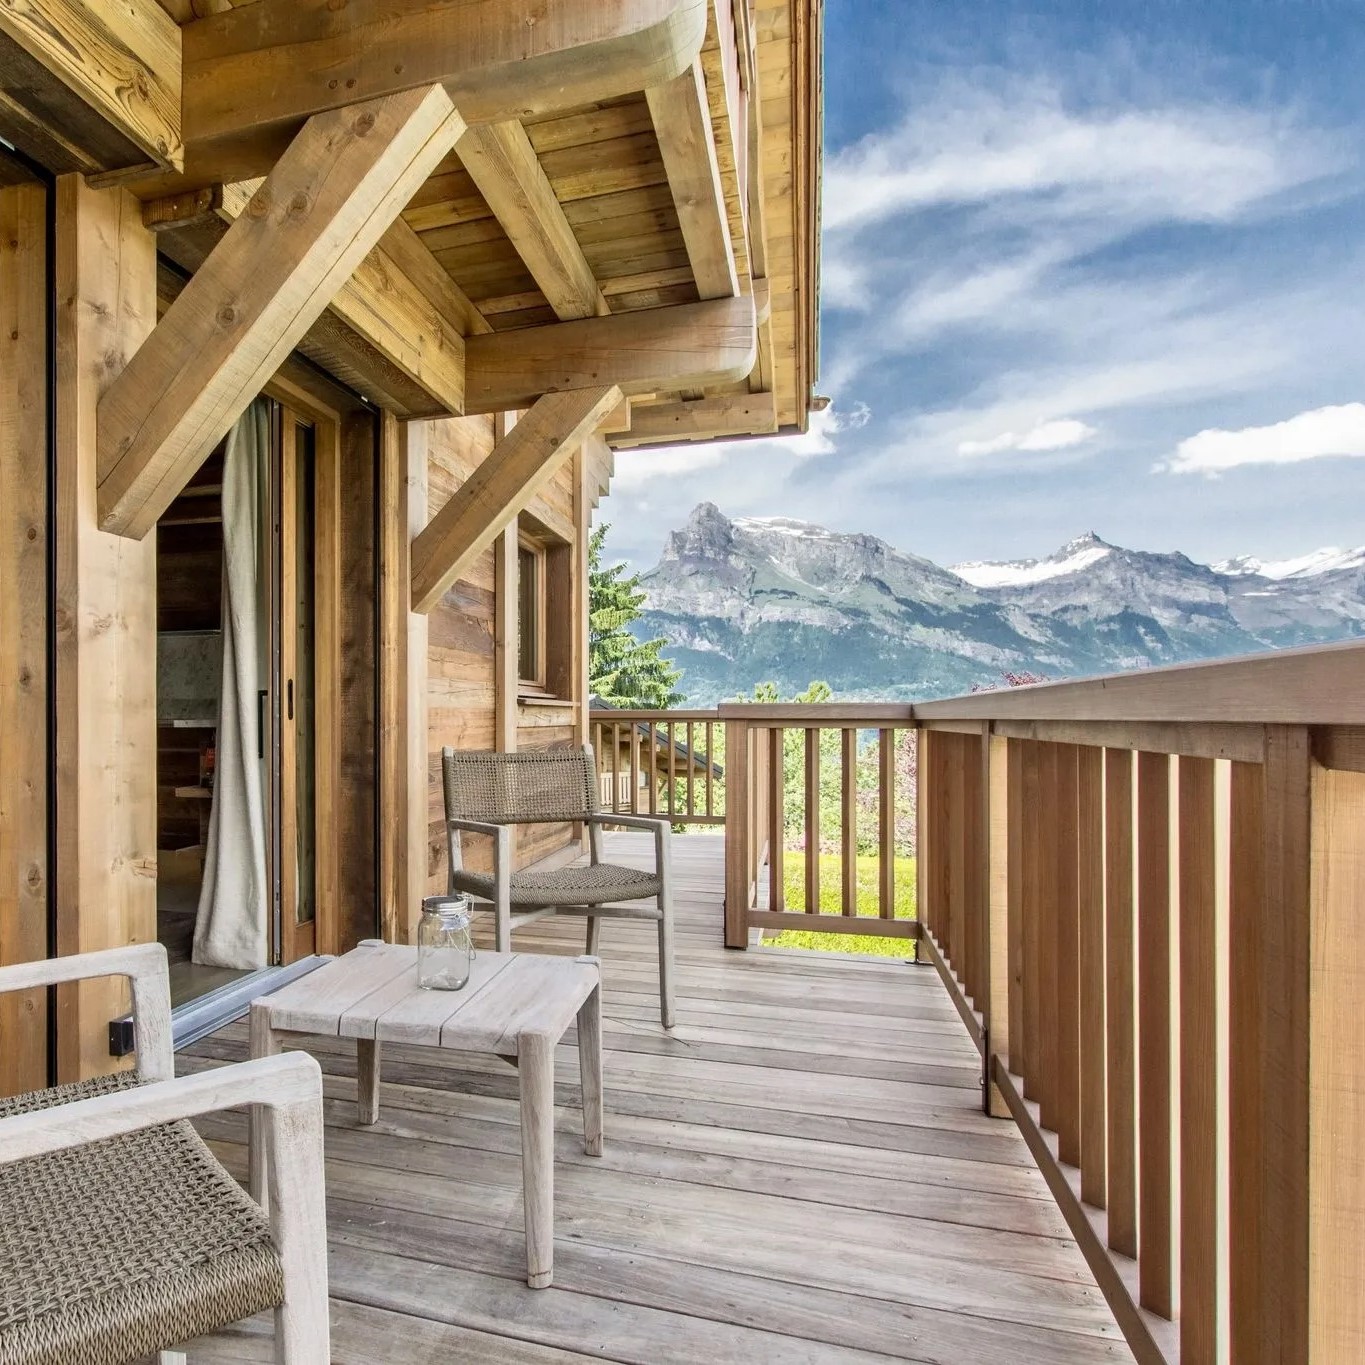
{"x": 1074, "y": 556}
{"x": 1330, "y": 559}
{"x": 783, "y": 526}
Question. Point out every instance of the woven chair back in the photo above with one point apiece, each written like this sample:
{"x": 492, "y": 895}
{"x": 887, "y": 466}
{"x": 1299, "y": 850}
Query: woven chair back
{"x": 519, "y": 789}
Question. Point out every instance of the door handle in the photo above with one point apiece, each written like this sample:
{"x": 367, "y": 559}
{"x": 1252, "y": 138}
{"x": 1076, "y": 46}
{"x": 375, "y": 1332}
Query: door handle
{"x": 289, "y": 694}
{"x": 260, "y": 723}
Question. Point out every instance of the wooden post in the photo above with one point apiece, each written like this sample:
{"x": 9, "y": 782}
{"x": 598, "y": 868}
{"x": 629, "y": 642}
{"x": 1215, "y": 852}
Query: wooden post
{"x": 996, "y": 818}
{"x": 23, "y": 626}
{"x": 1121, "y": 1085}
{"x": 106, "y": 623}
{"x": 737, "y": 836}
{"x": 1090, "y": 881}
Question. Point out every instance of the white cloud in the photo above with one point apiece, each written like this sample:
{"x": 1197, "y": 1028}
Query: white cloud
{"x": 1055, "y": 435}
{"x": 1313, "y": 435}
{"x": 1006, "y": 139}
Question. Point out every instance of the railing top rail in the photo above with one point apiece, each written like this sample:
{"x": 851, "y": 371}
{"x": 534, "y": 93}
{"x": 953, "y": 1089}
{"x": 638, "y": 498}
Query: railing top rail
{"x": 606, "y": 716}
{"x": 829, "y": 714}
{"x": 1319, "y": 685}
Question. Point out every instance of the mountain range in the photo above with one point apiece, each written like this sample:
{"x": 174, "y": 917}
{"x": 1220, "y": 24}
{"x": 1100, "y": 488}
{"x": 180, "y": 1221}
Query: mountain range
{"x": 771, "y": 599}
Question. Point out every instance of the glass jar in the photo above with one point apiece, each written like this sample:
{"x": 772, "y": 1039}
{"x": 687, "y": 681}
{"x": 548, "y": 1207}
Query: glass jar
{"x": 445, "y": 946}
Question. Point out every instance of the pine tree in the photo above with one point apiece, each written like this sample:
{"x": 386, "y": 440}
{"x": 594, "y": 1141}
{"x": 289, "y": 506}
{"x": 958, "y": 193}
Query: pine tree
{"x": 623, "y": 672}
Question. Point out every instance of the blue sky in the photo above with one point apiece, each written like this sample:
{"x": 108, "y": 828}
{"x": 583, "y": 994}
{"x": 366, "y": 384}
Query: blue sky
{"x": 1086, "y": 267}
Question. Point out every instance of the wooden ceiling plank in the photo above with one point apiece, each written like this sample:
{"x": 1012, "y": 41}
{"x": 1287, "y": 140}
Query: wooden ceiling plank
{"x": 682, "y": 122}
{"x": 120, "y": 59}
{"x": 503, "y": 164}
{"x": 689, "y": 346}
{"x": 252, "y": 75}
{"x": 333, "y": 194}
{"x": 514, "y": 472}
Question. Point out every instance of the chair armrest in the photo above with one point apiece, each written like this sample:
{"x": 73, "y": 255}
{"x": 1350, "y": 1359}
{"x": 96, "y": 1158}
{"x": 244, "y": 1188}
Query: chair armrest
{"x": 502, "y": 848}
{"x": 146, "y": 967}
{"x": 654, "y": 823}
{"x": 289, "y": 1085}
{"x": 475, "y": 826}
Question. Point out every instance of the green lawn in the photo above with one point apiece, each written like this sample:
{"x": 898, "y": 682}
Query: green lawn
{"x": 831, "y": 903}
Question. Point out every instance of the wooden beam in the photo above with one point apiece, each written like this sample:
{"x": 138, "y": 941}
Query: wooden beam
{"x": 108, "y": 73}
{"x": 730, "y": 414}
{"x": 682, "y": 123}
{"x": 394, "y": 331}
{"x": 254, "y": 74}
{"x": 516, "y": 469}
{"x": 334, "y": 193}
{"x": 690, "y": 345}
{"x": 503, "y": 165}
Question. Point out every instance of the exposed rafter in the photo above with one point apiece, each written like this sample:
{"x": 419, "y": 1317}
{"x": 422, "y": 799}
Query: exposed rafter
{"x": 91, "y": 86}
{"x": 682, "y": 123}
{"x": 333, "y": 194}
{"x": 513, "y": 472}
{"x": 503, "y": 165}
{"x": 687, "y": 346}
{"x": 252, "y": 75}
{"x": 730, "y": 414}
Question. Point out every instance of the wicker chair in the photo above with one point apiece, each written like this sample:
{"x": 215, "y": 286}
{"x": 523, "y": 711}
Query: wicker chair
{"x": 121, "y": 1235}
{"x": 487, "y": 792}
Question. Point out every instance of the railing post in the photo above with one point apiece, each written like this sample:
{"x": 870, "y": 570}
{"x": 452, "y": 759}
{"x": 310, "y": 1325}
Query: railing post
{"x": 996, "y": 816}
{"x": 737, "y": 834}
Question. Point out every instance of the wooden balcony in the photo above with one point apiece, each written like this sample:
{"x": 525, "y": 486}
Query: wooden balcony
{"x": 801, "y": 1173}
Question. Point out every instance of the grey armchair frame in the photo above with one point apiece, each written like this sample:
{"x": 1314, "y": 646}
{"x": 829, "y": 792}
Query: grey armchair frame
{"x": 507, "y": 791}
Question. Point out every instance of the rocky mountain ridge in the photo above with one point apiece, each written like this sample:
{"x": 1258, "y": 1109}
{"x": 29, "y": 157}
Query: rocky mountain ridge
{"x": 752, "y": 599}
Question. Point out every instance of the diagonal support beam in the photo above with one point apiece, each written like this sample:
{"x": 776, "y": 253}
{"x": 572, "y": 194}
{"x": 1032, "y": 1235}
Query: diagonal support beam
{"x": 336, "y": 190}
{"x": 682, "y": 123}
{"x": 254, "y": 73}
{"x": 688, "y": 346}
{"x": 503, "y": 165}
{"x": 515, "y": 470}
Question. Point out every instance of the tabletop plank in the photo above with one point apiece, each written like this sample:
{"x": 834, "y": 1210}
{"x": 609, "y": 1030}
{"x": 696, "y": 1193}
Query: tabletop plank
{"x": 417, "y": 1016}
{"x": 316, "y": 1003}
{"x": 535, "y": 995}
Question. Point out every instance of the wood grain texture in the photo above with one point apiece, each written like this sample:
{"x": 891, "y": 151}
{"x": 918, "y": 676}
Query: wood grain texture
{"x": 106, "y": 623}
{"x": 1091, "y": 967}
{"x": 682, "y": 123}
{"x": 329, "y": 199}
{"x": 1120, "y": 949}
{"x": 698, "y": 419}
{"x": 23, "y": 625}
{"x": 687, "y": 346}
{"x": 519, "y": 467}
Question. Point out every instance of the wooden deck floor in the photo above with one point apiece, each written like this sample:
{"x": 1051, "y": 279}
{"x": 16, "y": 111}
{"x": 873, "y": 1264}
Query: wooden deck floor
{"x": 801, "y": 1173}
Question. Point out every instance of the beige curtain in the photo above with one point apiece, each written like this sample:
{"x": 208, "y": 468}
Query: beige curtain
{"x": 232, "y": 927}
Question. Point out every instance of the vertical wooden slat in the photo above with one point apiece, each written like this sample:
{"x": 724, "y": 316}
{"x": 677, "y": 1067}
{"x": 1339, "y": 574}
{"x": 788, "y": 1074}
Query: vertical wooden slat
{"x": 1030, "y": 896}
{"x": 710, "y": 770}
{"x": 924, "y": 859}
{"x": 886, "y": 823}
{"x": 691, "y": 771}
{"x": 670, "y": 768}
{"x": 1336, "y": 1251}
{"x": 1068, "y": 1098}
{"x": 997, "y": 817}
{"x": 736, "y": 835}
{"x": 1198, "y": 1074}
{"x": 1090, "y": 880}
{"x": 812, "y": 821}
{"x": 23, "y": 627}
{"x": 1154, "y": 1032}
{"x": 1015, "y": 916}
{"x": 652, "y": 762}
{"x": 1121, "y": 1083}
{"x": 777, "y": 815}
{"x": 616, "y": 766}
{"x": 950, "y": 782}
{"x": 848, "y": 833}
{"x": 1048, "y": 932}
{"x": 635, "y": 768}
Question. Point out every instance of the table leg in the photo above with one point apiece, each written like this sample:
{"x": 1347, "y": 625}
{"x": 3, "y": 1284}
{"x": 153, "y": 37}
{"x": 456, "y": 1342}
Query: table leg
{"x": 536, "y": 1067}
{"x": 367, "y": 1079}
{"x": 590, "y": 1064}
{"x": 264, "y": 1042}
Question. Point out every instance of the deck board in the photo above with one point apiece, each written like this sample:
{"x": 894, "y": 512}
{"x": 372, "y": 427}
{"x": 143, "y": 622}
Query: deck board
{"x": 800, "y": 1173}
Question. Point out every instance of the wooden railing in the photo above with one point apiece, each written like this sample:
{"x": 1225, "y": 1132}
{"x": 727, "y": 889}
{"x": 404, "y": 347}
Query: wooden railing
{"x": 1147, "y": 895}
{"x": 660, "y": 763}
{"x": 763, "y": 742}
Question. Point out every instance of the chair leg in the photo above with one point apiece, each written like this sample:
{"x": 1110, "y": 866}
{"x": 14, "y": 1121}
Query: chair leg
{"x": 502, "y": 925}
{"x": 299, "y": 1225}
{"x": 667, "y": 999}
{"x": 171, "y": 1358}
{"x": 594, "y": 934}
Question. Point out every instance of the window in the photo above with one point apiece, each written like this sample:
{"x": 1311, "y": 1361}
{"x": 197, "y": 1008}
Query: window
{"x": 531, "y": 614}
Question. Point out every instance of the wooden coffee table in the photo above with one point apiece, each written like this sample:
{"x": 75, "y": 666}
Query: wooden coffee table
{"x": 516, "y": 1006}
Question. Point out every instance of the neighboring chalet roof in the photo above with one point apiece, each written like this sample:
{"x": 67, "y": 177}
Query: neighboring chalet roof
{"x": 651, "y": 734}
{"x": 687, "y": 174}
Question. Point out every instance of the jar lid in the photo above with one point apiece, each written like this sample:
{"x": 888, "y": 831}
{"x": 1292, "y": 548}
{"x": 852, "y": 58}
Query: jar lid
{"x": 453, "y": 910}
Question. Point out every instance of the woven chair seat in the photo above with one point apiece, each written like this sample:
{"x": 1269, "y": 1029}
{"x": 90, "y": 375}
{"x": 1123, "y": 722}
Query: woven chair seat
{"x": 600, "y": 884}
{"x": 123, "y": 1247}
